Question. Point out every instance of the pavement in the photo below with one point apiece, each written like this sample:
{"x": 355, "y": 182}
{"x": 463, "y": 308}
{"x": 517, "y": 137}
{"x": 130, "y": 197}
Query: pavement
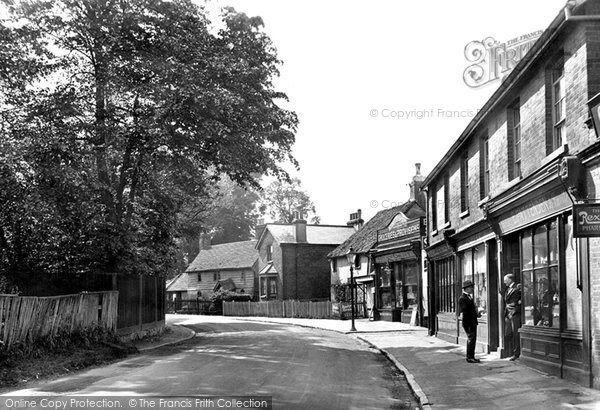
{"x": 437, "y": 371}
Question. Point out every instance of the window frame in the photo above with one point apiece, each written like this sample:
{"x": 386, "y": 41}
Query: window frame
{"x": 464, "y": 182}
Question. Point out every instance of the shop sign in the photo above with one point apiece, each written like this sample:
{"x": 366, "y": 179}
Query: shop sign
{"x": 411, "y": 228}
{"x": 586, "y": 221}
{"x": 534, "y": 210}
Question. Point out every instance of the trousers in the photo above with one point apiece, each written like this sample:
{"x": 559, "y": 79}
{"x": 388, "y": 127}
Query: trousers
{"x": 471, "y": 332}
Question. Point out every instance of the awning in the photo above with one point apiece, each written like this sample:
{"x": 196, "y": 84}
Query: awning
{"x": 396, "y": 257}
{"x": 363, "y": 279}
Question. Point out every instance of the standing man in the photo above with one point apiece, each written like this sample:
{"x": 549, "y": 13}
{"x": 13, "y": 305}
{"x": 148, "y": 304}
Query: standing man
{"x": 466, "y": 306}
{"x": 512, "y": 313}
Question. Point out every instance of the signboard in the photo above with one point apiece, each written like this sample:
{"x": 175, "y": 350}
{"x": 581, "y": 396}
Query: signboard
{"x": 413, "y": 228}
{"x": 586, "y": 221}
{"x": 594, "y": 105}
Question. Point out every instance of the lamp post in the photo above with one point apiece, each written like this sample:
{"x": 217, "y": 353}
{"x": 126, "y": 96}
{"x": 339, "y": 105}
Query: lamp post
{"x": 351, "y": 256}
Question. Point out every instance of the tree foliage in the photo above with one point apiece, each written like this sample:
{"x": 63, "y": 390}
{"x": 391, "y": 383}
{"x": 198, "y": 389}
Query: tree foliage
{"x": 115, "y": 116}
{"x": 284, "y": 199}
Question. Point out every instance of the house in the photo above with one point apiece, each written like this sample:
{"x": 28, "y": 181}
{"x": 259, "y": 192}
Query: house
{"x": 230, "y": 266}
{"x": 501, "y": 201}
{"x": 387, "y": 267}
{"x": 293, "y": 259}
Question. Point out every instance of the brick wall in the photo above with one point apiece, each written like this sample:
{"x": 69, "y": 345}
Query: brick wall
{"x": 306, "y": 268}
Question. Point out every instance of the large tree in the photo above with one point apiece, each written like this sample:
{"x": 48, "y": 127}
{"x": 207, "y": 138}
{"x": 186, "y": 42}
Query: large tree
{"x": 116, "y": 115}
{"x": 285, "y": 200}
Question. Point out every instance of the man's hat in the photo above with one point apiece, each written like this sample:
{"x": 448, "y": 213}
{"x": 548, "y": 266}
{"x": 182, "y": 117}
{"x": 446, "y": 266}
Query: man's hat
{"x": 467, "y": 284}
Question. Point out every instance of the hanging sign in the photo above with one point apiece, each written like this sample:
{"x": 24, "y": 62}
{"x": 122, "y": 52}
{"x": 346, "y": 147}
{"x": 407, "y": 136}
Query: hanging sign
{"x": 586, "y": 220}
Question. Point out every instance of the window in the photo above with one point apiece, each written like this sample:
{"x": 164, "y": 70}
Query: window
{"x": 441, "y": 207}
{"x": 558, "y": 106}
{"x": 434, "y": 224}
{"x": 263, "y": 287}
{"x": 334, "y": 264}
{"x": 272, "y": 288}
{"x": 410, "y": 285}
{"x": 445, "y": 279}
{"x": 540, "y": 276}
{"x": 269, "y": 253}
{"x": 484, "y": 160}
{"x": 464, "y": 183}
{"x": 216, "y": 276}
{"x": 199, "y": 277}
{"x": 446, "y": 198}
{"x": 474, "y": 269}
{"x": 243, "y": 275}
{"x": 514, "y": 141}
{"x": 357, "y": 262}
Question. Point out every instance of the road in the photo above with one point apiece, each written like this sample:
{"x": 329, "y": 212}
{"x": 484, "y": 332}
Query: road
{"x": 301, "y": 368}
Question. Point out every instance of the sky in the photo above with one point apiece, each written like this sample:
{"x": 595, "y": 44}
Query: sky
{"x": 378, "y": 86}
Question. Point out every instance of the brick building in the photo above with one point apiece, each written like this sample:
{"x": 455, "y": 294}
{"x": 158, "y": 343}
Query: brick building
{"x": 293, "y": 259}
{"x": 501, "y": 199}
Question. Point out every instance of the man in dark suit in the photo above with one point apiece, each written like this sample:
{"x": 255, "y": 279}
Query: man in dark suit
{"x": 512, "y": 313}
{"x": 466, "y": 306}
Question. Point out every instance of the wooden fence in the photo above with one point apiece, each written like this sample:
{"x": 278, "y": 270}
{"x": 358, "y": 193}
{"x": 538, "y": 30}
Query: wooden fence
{"x": 26, "y": 319}
{"x": 284, "y": 308}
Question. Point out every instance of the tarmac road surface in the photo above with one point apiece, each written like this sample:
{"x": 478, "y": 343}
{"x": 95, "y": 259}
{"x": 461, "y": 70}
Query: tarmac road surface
{"x": 300, "y": 368}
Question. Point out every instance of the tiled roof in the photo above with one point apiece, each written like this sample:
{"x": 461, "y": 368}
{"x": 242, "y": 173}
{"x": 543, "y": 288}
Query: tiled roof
{"x": 234, "y": 255}
{"x": 179, "y": 283}
{"x": 315, "y": 234}
{"x": 364, "y": 239}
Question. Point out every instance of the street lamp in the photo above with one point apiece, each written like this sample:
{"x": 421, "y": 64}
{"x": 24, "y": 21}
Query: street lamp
{"x": 351, "y": 260}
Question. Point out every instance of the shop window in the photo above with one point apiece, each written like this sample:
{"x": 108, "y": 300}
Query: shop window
{"x": 540, "y": 276}
{"x": 397, "y": 296}
{"x": 474, "y": 269}
{"x": 385, "y": 290}
{"x": 410, "y": 285}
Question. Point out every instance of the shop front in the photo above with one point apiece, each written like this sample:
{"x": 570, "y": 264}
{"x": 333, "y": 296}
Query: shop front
{"x": 538, "y": 247}
{"x": 397, "y": 259}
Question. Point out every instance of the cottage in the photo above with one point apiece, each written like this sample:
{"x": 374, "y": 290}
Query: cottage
{"x": 230, "y": 266}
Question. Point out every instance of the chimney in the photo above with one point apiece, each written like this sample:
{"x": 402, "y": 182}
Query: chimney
{"x": 415, "y": 187}
{"x": 355, "y": 220}
{"x": 260, "y": 227}
{"x": 300, "y": 225}
{"x": 204, "y": 241}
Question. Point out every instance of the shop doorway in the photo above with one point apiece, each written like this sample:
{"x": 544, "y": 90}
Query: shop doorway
{"x": 511, "y": 263}
{"x": 492, "y": 315}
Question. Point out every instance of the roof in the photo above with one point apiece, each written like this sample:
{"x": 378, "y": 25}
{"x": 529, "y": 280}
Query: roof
{"x": 366, "y": 237}
{"x": 507, "y": 85}
{"x": 234, "y": 255}
{"x": 179, "y": 283}
{"x": 226, "y": 284}
{"x": 315, "y": 234}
